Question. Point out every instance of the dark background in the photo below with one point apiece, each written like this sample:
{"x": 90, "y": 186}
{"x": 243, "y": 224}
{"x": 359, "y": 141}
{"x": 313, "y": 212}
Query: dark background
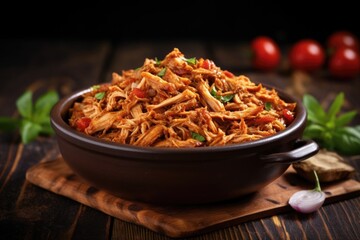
{"x": 219, "y": 21}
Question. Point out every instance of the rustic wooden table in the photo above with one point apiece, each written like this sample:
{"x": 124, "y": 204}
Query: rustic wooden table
{"x": 30, "y": 212}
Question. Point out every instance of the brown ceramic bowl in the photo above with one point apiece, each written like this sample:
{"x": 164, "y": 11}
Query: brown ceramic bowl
{"x": 180, "y": 176}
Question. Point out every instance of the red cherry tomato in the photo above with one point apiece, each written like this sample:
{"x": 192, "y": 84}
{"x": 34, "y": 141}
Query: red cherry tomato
{"x": 307, "y": 55}
{"x": 266, "y": 53}
{"x": 342, "y": 39}
{"x": 344, "y": 63}
{"x": 288, "y": 116}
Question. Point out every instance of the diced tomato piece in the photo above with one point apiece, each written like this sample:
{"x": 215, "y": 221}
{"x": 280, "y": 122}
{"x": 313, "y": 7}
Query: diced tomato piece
{"x": 228, "y": 74}
{"x": 139, "y": 93}
{"x": 83, "y": 123}
{"x": 288, "y": 116}
{"x": 207, "y": 64}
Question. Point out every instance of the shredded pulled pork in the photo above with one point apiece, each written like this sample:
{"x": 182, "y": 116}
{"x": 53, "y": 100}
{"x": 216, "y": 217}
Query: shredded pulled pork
{"x": 180, "y": 102}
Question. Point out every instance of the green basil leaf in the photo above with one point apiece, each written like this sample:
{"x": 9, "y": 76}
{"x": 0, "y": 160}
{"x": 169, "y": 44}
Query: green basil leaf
{"x": 43, "y": 106}
{"x": 347, "y": 141}
{"x": 327, "y": 140}
{"x": 8, "y": 124}
{"x": 45, "y": 124}
{"x": 46, "y": 129}
{"x": 345, "y": 118}
{"x": 328, "y": 129}
{"x": 197, "y": 136}
{"x": 29, "y": 131}
{"x": 35, "y": 119}
{"x": 24, "y": 104}
{"x": 313, "y": 131}
{"x": 335, "y": 106}
{"x": 351, "y": 131}
{"x": 315, "y": 111}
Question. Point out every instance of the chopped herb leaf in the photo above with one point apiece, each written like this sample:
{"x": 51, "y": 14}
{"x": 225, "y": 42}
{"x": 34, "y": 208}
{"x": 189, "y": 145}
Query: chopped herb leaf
{"x": 213, "y": 92}
{"x": 197, "y": 136}
{"x": 100, "y": 95}
{"x": 223, "y": 99}
{"x": 158, "y": 62}
{"x": 268, "y": 106}
{"x": 226, "y": 98}
{"x": 190, "y": 60}
{"x": 162, "y": 72}
{"x": 95, "y": 87}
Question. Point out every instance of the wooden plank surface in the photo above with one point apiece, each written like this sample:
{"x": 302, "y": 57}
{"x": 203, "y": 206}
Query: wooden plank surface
{"x": 30, "y": 212}
{"x": 183, "y": 221}
{"x": 27, "y": 212}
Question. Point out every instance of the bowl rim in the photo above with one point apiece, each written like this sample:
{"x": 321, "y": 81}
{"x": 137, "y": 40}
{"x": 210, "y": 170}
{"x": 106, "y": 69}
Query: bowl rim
{"x": 63, "y": 129}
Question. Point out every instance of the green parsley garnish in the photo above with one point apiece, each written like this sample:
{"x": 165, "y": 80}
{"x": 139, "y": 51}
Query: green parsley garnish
{"x": 197, "y": 136}
{"x": 190, "y": 60}
{"x": 226, "y": 98}
{"x": 158, "y": 62}
{"x": 162, "y": 72}
{"x": 268, "y": 106}
{"x": 223, "y": 99}
{"x": 95, "y": 87}
{"x": 100, "y": 95}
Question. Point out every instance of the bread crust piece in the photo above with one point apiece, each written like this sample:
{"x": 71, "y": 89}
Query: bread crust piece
{"x": 328, "y": 165}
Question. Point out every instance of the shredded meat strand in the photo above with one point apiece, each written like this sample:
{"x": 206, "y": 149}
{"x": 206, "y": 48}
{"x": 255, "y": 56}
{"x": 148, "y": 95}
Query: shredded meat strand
{"x": 180, "y": 103}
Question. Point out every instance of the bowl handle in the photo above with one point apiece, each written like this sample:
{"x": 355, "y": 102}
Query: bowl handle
{"x": 303, "y": 150}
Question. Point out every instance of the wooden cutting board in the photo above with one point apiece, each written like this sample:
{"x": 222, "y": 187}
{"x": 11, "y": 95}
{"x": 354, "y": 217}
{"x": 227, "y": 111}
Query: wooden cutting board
{"x": 183, "y": 221}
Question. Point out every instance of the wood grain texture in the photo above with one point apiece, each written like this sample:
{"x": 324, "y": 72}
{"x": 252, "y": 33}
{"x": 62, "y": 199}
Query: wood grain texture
{"x": 183, "y": 221}
{"x": 26, "y": 211}
{"x": 30, "y": 212}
